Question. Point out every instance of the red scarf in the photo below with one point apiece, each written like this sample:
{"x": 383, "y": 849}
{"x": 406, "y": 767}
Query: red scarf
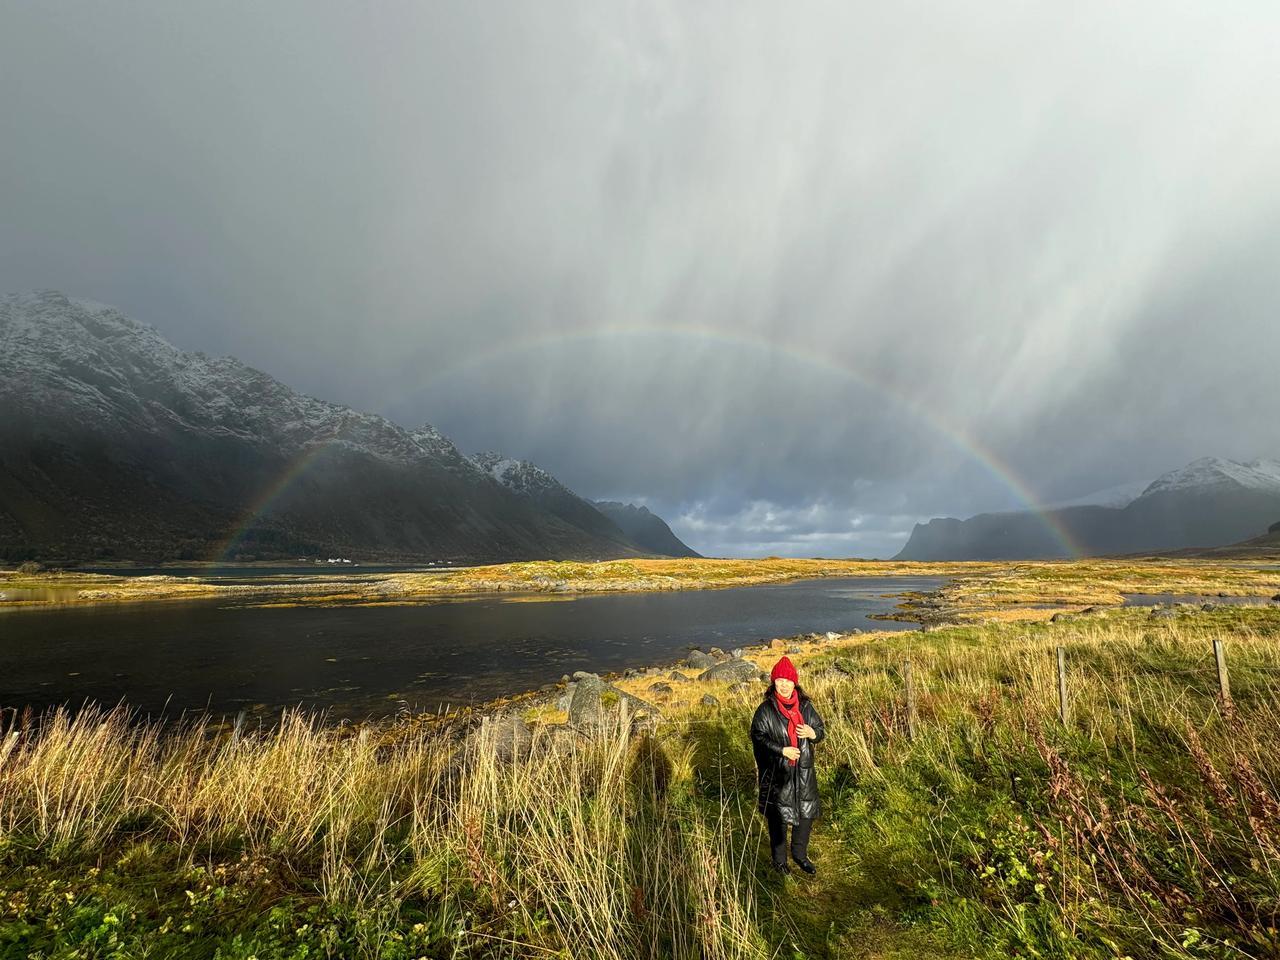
{"x": 791, "y": 710}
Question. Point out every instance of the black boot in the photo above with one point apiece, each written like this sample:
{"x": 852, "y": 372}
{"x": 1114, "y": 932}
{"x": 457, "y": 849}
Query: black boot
{"x": 781, "y": 867}
{"x": 805, "y": 864}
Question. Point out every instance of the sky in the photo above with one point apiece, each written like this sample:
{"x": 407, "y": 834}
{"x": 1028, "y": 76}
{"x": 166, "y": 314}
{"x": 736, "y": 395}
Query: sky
{"x": 796, "y": 276}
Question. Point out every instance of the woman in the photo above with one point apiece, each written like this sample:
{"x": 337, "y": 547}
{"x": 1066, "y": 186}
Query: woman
{"x": 783, "y": 731}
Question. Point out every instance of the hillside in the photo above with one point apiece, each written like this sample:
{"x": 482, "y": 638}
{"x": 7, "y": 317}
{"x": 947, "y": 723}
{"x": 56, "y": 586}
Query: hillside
{"x": 1208, "y": 502}
{"x": 120, "y": 446}
{"x": 645, "y": 529}
{"x": 1263, "y": 547}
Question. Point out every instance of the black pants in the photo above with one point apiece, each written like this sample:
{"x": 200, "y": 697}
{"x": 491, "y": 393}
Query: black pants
{"x": 778, "y": 836}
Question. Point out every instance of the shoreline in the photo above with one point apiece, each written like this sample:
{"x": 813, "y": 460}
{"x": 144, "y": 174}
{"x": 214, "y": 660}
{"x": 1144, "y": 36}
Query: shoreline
{"x": 978, "y": 593}
{"x": 976, "y": 589}
{"x": 543, "y": 578}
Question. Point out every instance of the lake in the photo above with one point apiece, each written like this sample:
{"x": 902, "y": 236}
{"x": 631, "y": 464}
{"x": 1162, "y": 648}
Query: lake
{"x": 165, "y": 657}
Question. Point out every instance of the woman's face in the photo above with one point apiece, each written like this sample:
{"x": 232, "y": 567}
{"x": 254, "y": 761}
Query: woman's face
{"x": 784, "y": 687}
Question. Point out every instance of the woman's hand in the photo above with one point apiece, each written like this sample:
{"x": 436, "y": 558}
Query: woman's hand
{"x": 804, "y": 730}
{"x": 791, "y": 753}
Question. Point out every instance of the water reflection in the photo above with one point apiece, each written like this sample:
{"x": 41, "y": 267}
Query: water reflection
{"x": 359, "y": 661}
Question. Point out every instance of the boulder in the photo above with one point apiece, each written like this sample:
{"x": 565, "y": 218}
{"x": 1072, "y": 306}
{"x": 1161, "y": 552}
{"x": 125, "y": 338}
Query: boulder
{"x": 718, "y": 653}
{"x": 709, "y": 701}
{"x": 699, "y": 660}
{"x": 508, "y": 736}
{"x": 1162, "y": 614}
{"x": 738, "y": 653}
{"x": 566, "y": 696}
{"x": 1061, "y": 618}
{"x": 678, "y": 677}
{"x": 731, "y": 670}
{"x": 587, "y": 709}
{"x": 660, "y": 686}
{"x": 1276, "y": 598}
{"x": 832, "y": 635}
{"x": 1210, "y": 606}
{"x": 505, "y": 736}
{"x": 777, "y": 644}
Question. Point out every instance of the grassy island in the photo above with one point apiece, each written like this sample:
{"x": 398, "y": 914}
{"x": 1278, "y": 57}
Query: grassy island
{"x": 979, "y": 588}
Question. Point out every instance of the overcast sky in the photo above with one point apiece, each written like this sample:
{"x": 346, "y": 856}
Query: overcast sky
{"x": 794, "y": 275}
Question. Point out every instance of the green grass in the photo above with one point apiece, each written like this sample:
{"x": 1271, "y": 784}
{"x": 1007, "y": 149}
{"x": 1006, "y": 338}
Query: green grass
{"x": 1149, "y": 826}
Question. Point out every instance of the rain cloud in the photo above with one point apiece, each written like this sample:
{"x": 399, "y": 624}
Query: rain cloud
{"x": 794, "y": 276}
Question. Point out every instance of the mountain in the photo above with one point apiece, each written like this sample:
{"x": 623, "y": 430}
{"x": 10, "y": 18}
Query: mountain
{"x": 1118, "y": 496}
{"x": 533, "y": 483}
{"x": 644, "y": 528}
{"x": 1208, "y": 502}
{"x": 623, "y": 523}
{"x": 117, "y": 445}
{"x": 1263, "y": 547}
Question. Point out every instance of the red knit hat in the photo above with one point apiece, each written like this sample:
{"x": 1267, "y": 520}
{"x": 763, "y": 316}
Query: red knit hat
{"x": 784, "y": 669}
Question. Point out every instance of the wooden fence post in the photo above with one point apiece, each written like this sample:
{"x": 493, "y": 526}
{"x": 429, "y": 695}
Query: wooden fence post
{"x": 1224, "y": 684}
{"x": 1062, "y": 685}
{"x": 911, "y": 699}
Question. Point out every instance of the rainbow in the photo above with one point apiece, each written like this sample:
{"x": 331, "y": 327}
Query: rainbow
{"x": 955, "y": 435}
{"x": 295, "y": 469}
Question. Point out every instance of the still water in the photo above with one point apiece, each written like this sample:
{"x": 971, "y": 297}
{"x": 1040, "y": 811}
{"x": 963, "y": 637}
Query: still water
{"x": 167, "y": 657}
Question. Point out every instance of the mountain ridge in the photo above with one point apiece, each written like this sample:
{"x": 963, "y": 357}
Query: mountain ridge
{"x": 229, "y": 462}
{"x": 645, "y": 528}
{"x": 1207, "y": 502}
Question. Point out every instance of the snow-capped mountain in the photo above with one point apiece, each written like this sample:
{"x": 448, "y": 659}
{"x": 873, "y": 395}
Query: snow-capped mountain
{"x": 83, "y": 358}
{"x": 1212, "y": 472}
{"x": 520, "y": 476}
{"x": 532, "y": 483}
{"x": 1121, "y": 495}
{"x": 529, "y": 480}
{"x": 116, "y": 444}
{"x": 1208, "y": 502}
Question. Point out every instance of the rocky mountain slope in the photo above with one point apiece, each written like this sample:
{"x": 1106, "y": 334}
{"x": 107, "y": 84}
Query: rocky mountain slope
{"x": 1208, "y": 502}
{"x": 645, "y": 529}
{"x": 1263, "y": 547}
{"x": 117, "y": 445}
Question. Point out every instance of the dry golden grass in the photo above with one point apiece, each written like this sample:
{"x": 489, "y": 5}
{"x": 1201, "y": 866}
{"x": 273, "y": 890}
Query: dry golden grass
{"x": 548, "y": 577}
{"x": 625, "y": 845}
{"x": 977, "y": 590}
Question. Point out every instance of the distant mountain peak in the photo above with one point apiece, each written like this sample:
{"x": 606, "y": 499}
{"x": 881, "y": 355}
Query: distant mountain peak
{"x": 1210, "y": 472}
{"x": 645, "y": 528}
{"x": 522, "y": 476}
{"x": 1120, "y": 495}
{"x": 1209, "y": 501}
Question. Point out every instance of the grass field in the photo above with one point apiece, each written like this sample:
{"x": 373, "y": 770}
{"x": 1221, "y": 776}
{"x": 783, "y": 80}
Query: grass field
{"x": 1148, "y": 826}
{"x": 545, "y": 577}
{"x": 978, "y": 590}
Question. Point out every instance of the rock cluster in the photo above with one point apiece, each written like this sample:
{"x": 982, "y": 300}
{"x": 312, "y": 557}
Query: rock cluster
{"x": 594, "y": 705}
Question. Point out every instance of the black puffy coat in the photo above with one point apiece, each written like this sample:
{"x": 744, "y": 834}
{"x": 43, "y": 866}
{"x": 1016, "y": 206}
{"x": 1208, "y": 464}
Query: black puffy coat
{"x": 792, "y": 790}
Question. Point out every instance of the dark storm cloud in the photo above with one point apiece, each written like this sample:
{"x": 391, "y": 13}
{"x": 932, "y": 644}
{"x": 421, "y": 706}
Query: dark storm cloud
{"x": 795, "y": 276}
